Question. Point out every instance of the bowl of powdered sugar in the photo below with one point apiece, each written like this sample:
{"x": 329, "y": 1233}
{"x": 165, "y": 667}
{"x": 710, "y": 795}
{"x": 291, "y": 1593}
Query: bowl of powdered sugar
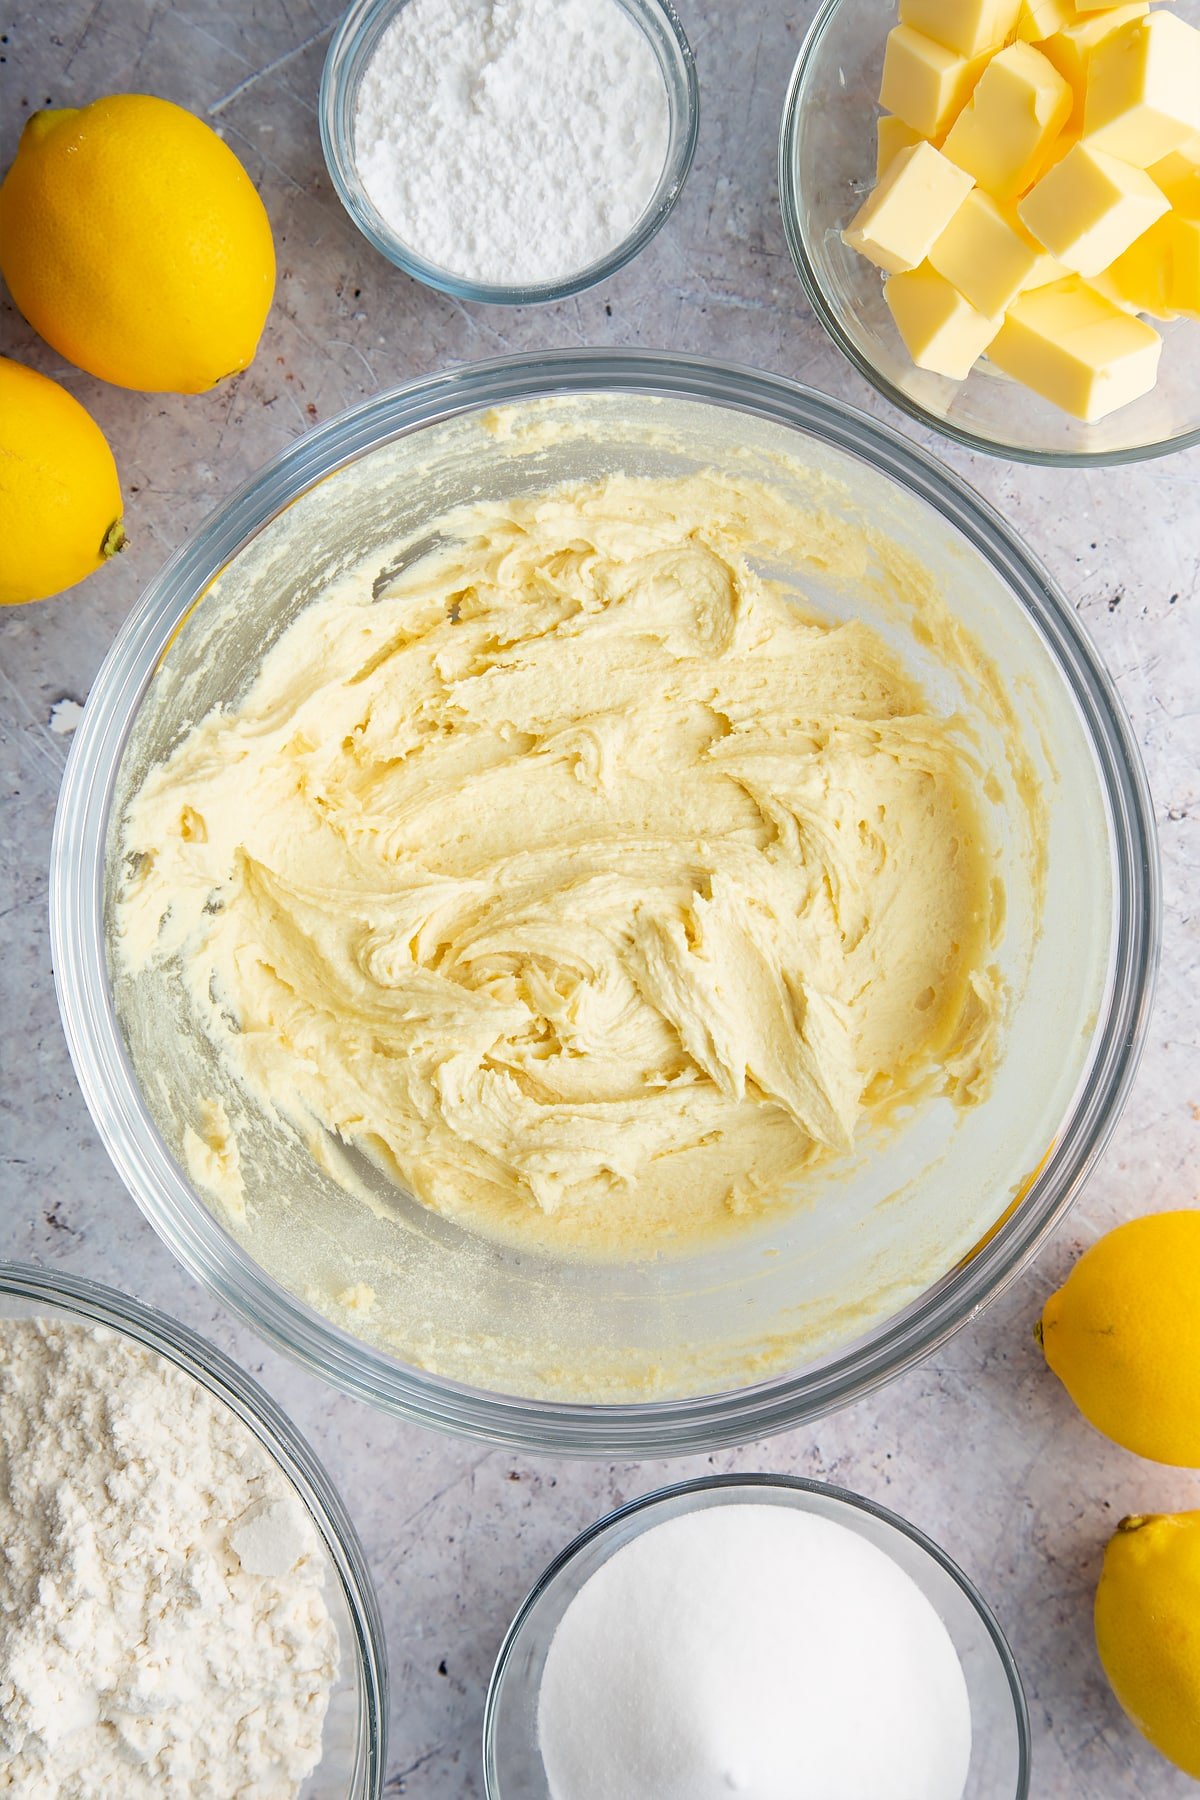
{"x": 757, "y": 1635}
{"x": 509, "y": 150}
{"x": 184, "y": 1606}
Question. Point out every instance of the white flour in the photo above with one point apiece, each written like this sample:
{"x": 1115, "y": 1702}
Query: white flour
{"x": 163, "y": 1634}
{"x": 756, "y": 1651}
{"x": 512, "y": 141}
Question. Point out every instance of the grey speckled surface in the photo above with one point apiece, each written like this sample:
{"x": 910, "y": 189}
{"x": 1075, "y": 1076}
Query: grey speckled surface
{"x": 979, "y": 1446}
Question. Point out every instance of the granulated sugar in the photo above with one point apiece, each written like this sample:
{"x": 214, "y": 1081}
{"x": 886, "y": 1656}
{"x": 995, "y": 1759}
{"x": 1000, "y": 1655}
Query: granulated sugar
{"x": 512, "y": 142}
{"x": 756, "y": 1651}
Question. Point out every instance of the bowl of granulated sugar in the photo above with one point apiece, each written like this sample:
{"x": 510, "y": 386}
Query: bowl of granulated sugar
{"x": 510, "y": 151}
{"x": 759, "y": 1636}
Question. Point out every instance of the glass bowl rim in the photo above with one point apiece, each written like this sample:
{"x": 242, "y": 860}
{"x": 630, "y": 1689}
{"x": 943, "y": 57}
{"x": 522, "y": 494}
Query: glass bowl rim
{"x": 751, "y": 1483}
{"x": 367, "y": 19}
{"x": 192, "y": 1231}
{"x": 818, "y": 298}
{"x": 281, "y": 1440}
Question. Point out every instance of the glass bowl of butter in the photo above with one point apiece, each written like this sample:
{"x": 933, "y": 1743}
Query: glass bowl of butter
{"x": 1008, "y": 194}
{"x": 604, "y": 902}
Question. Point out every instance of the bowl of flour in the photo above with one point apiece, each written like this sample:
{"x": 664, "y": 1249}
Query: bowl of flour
{"x": 184, "y": 1605}
{"x": 509, "y": 151}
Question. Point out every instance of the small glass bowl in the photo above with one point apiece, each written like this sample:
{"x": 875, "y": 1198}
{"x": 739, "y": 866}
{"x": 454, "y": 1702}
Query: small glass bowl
{"x": 351, "y": 49}
{"x": 1000, "y": 1746}
{"x": 353, "y": 1757}
{"x": 826, "y": 169}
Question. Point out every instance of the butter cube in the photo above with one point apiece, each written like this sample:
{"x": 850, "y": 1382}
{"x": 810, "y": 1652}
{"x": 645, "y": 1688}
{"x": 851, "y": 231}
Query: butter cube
{"x": 1139, "y": 278}
{"x": 1179, "y": 179}
{"x": 967, "y": 26}
{"x": 1091, "y": 207}
{"x": 1045, "y": 268}
{"x": 1075, "y": 348}
{"x": 1042, "y": 18}
{"x": 985, "y": 255}
{"x": 1104, "y": 285}
{"x": 1143, "y": 90}
{"x": 925, "y": 84}
{"x": 1183, "y": 280}
{"x": 892, "y": 135}
{"x": 1184, "y": 195}
{"x": 1094, "y": 6}
{"x": 912, "y": 205}
{"x": 1072, "y": 47}
{"x": 941, "y": 331}
{"x": 1160, "y": 273}
{"x": 1003, "y": 134}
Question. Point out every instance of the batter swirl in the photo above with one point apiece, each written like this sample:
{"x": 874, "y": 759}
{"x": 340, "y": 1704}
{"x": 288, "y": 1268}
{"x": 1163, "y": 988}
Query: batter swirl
{"x": 585, "y": 880}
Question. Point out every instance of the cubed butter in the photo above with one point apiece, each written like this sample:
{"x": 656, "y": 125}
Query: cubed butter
{"x": 925, "y": 84}
{"x": 1143, "y": 90}
{"x": 985, "y": 255}
{"x": 1042, "y": 18}
{"x": 1077, "y": 349}
{"x": 1105, "y": 285}
{"x": 1160, "y": 273}
{"x": 1084, "y": 7}
{"x": 1179, "y": 179}
{"x": 942, "y": 332}
{"x": 912, "y": 205}
{"x": 1045, "y": 268}
{"x": 1090, "y": 207}
{"x": 1183, "y": 280}
{"x": 891, "y": 136}
{"x": 1184, "y": 195}
{"x": 1072, "y": 47}
{"x": 1020, "y": 105}
{"x": 1164, "y": 263}
{"x": 968, "y": 26}
{"x": 1139, "y": 278}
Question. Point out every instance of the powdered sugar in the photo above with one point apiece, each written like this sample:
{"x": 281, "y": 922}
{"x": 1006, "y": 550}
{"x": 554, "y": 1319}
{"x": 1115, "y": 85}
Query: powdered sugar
{"x": 512, "y": 141}
{"x": 153, "y": 1641}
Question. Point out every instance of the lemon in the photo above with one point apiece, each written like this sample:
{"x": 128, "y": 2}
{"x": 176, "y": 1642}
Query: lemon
{"x": 1123, "y": 1335}
{"x": 1148, "y": 1630}
{"x": 60, "y": 500}
{"x": 134, "y": 241}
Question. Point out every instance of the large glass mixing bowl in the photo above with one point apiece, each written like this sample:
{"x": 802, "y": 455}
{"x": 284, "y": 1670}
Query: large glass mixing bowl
{"x": 892, "y": 1247}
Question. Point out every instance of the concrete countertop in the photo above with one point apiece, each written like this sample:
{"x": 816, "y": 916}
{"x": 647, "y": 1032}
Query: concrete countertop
{"x": 980, "y": 1445}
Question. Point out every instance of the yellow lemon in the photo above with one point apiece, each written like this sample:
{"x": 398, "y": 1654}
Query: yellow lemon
{"x": 1148, "y": 1630}
{"x": 134, "y": 241}
{"x": 60, "y": 500}
{"x": 1123, "y": 1336}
